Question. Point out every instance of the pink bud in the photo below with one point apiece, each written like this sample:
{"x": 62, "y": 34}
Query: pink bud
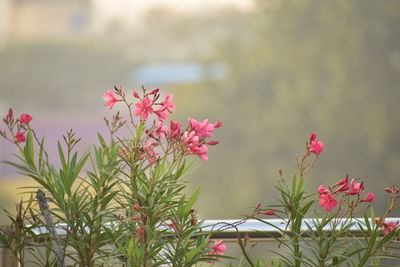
{"x": 268, "y": 212}
{"x": 217, "y": 124}
{"x": 212, "y": 143}
{"x": 369, "y": 198}
{"x": 389, "y": 190}
{"x": 135, "y": 94}
{"x": 10, "y": 115}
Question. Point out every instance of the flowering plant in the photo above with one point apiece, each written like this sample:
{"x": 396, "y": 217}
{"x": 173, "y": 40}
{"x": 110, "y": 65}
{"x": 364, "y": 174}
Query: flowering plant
{"x": 128, "y": 207}
{"x": 307, "y": 240}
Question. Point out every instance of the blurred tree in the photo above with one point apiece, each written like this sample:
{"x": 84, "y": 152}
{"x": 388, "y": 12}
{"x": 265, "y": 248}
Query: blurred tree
{"x": 308, "y": 65}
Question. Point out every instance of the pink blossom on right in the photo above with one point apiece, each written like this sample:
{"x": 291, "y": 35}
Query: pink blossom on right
{"x": 387, "y": 226}
{"x": 314, "y": 146}
{"x": 327, "y": 201}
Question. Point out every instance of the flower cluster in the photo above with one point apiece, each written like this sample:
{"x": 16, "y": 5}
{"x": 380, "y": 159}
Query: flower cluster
{"x": 192, "y": 140}
{"x": 343, "y": 187}
{"x": 386, "y": 226}
{"x": 17, "y": 127}
{"x": 313, "y": 145}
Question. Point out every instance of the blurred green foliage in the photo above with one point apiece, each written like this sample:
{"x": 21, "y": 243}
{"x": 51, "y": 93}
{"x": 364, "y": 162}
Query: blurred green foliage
{"x": 294, "y": 66}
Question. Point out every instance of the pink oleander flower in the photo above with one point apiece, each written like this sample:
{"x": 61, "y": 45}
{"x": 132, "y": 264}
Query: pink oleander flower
{"x": 167, "y": 104}
{"x": 19, "y": 137}
{"x": 387, "y": 226}
{"x": 190, "y": 138}
{"x": 202, "y": 129}
{"x": 161, "y": 130}
{"x": 199, "y": 150}
{"x": 25, "y": 118}
{"x": 217, "y": 249}
{"x": 314, "y": 146}
{"x": 355, "y": 188}
{"x": 143, "y": 108}
{"x": 342, "y": 188}
{"x": 268, "y": 212}
{"x": 322, "y": 190}
{"x": 174, "y": 129}
{"x": 369, "y": 198}
{"x": 342, "y": 181}
{"x": 327, "y": 201}
{"x": 161, "y": 114}
{"x": 110, "y": 98}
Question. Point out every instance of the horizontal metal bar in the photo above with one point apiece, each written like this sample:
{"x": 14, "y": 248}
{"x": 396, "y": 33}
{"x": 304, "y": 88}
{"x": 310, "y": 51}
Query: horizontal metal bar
{"x": 265, "y": 229}
{"x": 273, "y": 228}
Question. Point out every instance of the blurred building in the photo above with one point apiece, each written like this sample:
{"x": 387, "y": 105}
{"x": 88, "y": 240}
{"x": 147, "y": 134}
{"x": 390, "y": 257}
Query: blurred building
{"x": 25, "y": 20}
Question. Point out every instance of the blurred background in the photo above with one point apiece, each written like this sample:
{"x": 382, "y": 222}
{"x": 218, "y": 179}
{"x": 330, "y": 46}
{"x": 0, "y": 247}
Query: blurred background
{"x": 272, "y": 71}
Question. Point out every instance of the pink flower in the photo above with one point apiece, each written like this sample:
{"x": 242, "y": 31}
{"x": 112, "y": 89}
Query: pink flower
{"x": 327, "y": 201}
{"x": 268, "y": 212}
{"x": 369, "y": 198}
{"x": 199, "y": 150}
{"x": 174, "y": 129}
{"x": 388, "y": 227}
{"x": 342, "y": 181}
{"x": 355, "y": 188}
{"x": 190, "y": 138}
{"x": 322, "y": 190}
{"x": 161, "y": 114}
{"x": 143, "y": 108}
{"x": 342, "y": 188}
{"x": 110, "y": 98}
{"x": 217, "y": 249}
{"x": 19, "y": 137}
{"x": 314, "y": 146}
{"x": 25, "y": 118}
{"x": 161, "y": 130}
{"x": 202, "y": 129}
{"x": 167, "y": 104}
